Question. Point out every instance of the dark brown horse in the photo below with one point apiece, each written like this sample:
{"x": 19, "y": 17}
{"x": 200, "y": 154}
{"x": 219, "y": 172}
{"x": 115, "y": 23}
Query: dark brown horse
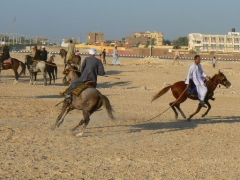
{"x": 179, "y": 91}
{"x": 14, "y": 64}
{"x": 76, "y": 60}
{"x": 89, "y": 101}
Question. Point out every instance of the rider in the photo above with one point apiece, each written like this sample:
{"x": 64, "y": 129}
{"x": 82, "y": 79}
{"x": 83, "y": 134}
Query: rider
{"x": 4, "y": 55}
{"x": 91, "y": 68}
{"x": 197, "y": 75}
{"x": 70, "y": 50}
{"x": 36, "y": 57}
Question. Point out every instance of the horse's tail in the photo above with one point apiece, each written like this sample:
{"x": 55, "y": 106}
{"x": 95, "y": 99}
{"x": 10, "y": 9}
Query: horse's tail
{"x": 162, "y": 92}
{"x": 23, "y": 71}
{"x": 107, "y": 105}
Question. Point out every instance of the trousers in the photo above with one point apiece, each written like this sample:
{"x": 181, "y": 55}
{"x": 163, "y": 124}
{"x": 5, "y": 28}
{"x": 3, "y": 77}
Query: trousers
{"x": 202, "y": 91}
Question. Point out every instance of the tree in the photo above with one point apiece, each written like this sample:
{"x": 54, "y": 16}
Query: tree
{"x": 166, "y": 42}
{"x": 181, "y": 41}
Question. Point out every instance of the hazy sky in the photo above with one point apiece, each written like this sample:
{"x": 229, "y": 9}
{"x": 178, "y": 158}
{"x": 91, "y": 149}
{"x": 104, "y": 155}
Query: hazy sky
{"x": 118, "y": 18}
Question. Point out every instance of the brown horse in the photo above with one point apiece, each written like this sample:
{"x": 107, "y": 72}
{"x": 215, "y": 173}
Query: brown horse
{"x": 76, "y": 60}
{"x": 14, "y": 64}
{"x": 179, "y": 91}
{"x": 89, "y": 101}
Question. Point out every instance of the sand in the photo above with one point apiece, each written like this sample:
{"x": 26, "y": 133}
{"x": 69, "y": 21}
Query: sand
{"x": 130, "y": 148}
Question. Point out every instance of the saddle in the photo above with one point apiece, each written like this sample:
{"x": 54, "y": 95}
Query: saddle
{"x": 8, "y": 61}
{"x": 77, "y": 91}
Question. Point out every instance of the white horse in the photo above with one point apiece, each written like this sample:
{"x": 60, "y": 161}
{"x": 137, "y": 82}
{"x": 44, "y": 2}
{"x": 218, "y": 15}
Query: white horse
{"x": 40, "y": 67}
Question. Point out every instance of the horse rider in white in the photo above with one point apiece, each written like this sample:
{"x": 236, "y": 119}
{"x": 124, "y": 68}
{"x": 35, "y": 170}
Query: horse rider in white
{"x": 197, "y": 75}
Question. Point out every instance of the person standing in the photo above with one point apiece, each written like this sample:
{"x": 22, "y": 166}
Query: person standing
{"x": 214, "y": 62}
{"x": 91, "y": 68}
{"x": 4, "y": 55}
{"x": 115, "y": 60}
{"x": 197, "y": 75}
{"x": 44, "y": 54}
{"x": 176, "y": 56}
{"x": 104, "y": 57}
{"x": 70, "y": 50}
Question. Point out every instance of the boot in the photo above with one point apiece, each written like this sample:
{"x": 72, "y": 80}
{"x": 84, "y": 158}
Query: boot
{"x": 202, "y": 104}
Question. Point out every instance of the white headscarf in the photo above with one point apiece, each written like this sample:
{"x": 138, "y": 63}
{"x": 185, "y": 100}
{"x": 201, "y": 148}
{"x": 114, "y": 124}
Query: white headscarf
{"x": 3, "y": 42}
{"x": 92, "y": 51}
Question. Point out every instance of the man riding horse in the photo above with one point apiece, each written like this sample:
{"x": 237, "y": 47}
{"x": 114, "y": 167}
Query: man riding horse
{"x": 91, "y": 68}
{"x": 4, "y": 55}
{"x": 197, "y": 76}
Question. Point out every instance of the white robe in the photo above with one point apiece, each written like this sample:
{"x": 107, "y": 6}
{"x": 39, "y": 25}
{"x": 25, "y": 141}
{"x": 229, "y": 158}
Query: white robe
{"x": 197, "y": 75}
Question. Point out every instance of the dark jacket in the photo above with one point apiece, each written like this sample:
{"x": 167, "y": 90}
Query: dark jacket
{"x": 37, "y": 55}
{"x": 5, "y": 54}
{"x": 91, "y": 68}
{"x": 44, "y": 55}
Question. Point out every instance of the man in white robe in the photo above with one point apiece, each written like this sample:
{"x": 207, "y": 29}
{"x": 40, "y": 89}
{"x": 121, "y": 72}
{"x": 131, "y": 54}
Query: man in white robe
{"x": 197, "y": 75}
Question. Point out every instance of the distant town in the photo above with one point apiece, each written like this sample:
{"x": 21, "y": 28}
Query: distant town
{"x": 141, "y": 43}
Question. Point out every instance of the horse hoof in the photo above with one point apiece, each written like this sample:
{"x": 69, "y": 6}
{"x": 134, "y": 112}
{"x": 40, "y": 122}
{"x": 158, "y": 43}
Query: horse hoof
{"x": 79, "y": 134}
{"x": 203, "y": 115}
{"x": 188, "y": 119}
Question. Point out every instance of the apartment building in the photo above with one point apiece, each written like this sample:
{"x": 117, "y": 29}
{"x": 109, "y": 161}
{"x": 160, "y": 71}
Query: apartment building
{"x": 157, "y": 36}
{"x": 95, "y": 37}
{"x": 215, "y": 43}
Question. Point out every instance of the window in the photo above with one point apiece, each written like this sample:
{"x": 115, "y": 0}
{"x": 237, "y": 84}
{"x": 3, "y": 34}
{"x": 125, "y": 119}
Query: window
{"x": 206, "y": 39}
{"x": 221, "y": 47}
{"x": 236, "y": 40}
{"x": 213, "y": 47}
{"x": 221, "y": 40}
{"x": 205, "y": 47}
{"x": 229, "y": 40}
{"x": 236, "y": 47}
{"x": 213, "y": 39}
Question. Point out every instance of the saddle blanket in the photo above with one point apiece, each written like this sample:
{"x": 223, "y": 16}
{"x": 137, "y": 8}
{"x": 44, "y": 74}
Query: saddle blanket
{"x": 77, "y": 91}
{"x": 7, "y": 61}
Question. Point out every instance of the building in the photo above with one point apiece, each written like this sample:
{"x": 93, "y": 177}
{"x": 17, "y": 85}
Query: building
{"x": 214, "y": 43}
{"x": 95, "y": 37}
{"x": 157, "y": 36}
{"x": 137, "y": 40}
{"x": 40, "y": 40}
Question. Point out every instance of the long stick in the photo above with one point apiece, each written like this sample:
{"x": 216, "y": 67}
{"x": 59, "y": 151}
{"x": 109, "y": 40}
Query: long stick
{"x": 169, "y": 107}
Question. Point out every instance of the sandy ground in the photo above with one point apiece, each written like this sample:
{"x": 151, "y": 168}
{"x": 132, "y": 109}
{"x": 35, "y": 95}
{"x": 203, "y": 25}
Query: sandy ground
{"x": 164, "y": 148}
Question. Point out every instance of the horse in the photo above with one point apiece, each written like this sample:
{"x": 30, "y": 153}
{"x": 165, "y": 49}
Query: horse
{"x": 40, "y": 67}
{"x": 70, "y": 74}
{"x": 76, "y": 60}
{"x": 179, "y": 91}
{"x": 89, "y": 101}
{"x": 14, "y": 64}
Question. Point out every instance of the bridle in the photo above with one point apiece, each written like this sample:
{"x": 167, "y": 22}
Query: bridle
{"x": 220, "y": 80}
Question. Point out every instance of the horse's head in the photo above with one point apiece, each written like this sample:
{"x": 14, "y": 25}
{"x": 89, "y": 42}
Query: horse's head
{"x": 71, "y": 74}
{"x": 222, "y": 79}
{"x": 62, "y": 53}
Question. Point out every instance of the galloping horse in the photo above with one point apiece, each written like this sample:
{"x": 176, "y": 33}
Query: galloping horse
{"x": 14, "y": 64}
{"x": 76, "y": 60}
{"x": 89, "y": 101}
{"x": 179, "y": 91}
{"x": 40, "y": 67}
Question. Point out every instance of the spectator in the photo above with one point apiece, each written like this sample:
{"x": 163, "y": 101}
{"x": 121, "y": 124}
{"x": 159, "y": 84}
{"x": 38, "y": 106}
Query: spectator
{"x": 104, "y": 57}
{"x": 115, "y": 60}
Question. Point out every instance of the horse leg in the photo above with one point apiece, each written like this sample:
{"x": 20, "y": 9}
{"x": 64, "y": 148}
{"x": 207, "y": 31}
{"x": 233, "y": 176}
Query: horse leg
{"x": 209, "y": 107}
{"x": 64, "y": 108}
{"x": 85, "y": 121}
{"x": 16, "y": 76}
{"x": 64, "y": 115}
{"x": 198, "y": 109}
{"x": 45, "y": 78}
{"x": 173, "y": 108}
{"x": 35, "y": 77}
{"x": 50, "y": 77}
{"x": 180, "y": 110}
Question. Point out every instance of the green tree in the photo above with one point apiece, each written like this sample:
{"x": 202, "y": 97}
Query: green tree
{"x": 166, "y": 42}
{"x": 181, "y": 41}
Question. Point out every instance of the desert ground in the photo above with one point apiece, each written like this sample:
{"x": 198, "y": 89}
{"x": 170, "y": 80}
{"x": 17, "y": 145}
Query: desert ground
{"x": 126, "y": 149}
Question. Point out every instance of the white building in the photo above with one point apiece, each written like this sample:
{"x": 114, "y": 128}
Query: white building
{"x": 214, "y": 43}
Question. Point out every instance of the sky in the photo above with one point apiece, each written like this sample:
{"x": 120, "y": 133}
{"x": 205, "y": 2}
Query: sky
{"x": 118, "y": 18}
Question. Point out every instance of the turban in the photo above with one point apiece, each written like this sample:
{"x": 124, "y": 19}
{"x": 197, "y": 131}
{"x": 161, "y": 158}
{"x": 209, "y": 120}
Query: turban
{"x": 3, "y": 42}
{"x": 92, "y": 51}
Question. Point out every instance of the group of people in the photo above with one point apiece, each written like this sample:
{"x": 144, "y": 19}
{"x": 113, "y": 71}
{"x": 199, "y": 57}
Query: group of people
{"x": 40, "y": 54}
{"x": 115, "y": 61}
{"x": 92, "y": 67}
